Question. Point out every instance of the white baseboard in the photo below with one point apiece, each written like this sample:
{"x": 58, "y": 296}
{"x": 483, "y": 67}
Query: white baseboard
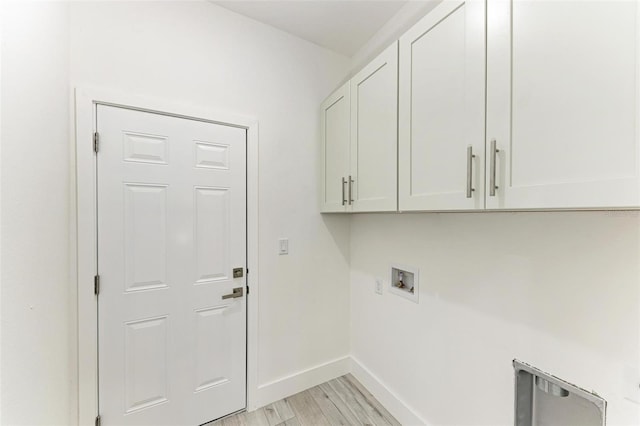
{"x": 389, "y": 400}
{"x": 302, "y": 380}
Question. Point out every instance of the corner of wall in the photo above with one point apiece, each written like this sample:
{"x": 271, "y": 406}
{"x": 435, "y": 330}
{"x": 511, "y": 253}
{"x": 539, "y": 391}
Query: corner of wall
{"x": 302, "y": 380}
{"x": 389, "y": 399}
{"x": 405, "y": 18}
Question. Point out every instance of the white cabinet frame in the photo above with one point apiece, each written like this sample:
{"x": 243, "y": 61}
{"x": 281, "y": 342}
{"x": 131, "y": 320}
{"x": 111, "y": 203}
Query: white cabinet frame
{"x": 335, "y": 124}
{"x": 563, "y": 97}
{"x": 374, "y": 134}
{"x": 442, "y": 110}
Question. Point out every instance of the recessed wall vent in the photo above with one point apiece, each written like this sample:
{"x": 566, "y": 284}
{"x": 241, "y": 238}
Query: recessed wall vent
{"x": 545, "y": 400}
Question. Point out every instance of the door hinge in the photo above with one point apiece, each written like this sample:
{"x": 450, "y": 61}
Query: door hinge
{"x": 96, "y": 142}
{"x": 96, "y": 285}
{"x": 247, "y": 290}
{"x": 98, "y": 421}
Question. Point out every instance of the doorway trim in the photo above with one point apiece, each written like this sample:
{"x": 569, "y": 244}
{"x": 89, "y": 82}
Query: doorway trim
{"x": 84, "y": 232}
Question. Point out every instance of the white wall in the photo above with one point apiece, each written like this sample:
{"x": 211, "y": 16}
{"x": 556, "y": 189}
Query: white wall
{"x": 187, "y": 52}
{"x": 557, "y": 290}
{"x": 34, "y": 175}
{"x": 199, "y": 53}
{"x": 409, "y": 14}
{"x": 1, "y": 44}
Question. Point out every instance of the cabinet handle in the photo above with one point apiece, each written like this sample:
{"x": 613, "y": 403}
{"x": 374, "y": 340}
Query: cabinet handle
{"x": 470, "y": 158}
{"x": 350, "y": 190}
{"x": 492, "y": 171}
{"x": 344, "y": 200}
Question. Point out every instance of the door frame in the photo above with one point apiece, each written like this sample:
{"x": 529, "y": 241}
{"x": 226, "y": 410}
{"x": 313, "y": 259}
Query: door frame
{"x": 83, "y": 226}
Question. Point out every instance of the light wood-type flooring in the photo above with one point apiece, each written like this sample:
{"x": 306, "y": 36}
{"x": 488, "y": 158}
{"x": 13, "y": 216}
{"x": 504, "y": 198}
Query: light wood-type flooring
{"x": 342, "y": 401}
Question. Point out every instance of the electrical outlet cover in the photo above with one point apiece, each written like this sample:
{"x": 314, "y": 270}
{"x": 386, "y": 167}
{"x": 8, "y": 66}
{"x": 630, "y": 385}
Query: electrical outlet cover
{"x": 631, "y": 383}
{"x": 379, "y": 285}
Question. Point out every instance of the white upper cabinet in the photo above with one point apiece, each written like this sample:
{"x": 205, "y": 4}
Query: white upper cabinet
{"x": 497, "y": 105}
{"x": 374, "y": 134}
{"x": 335, "y": 124}
{"x": 442, "y": 107}
{"x": 563, "y": 104}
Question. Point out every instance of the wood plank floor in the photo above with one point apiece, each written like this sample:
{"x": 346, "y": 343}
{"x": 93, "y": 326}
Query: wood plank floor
{"x": 342, "y": 401}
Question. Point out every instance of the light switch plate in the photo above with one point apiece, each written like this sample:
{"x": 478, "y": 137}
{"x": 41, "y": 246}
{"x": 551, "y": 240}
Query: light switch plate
{"x": 283, "y": 246}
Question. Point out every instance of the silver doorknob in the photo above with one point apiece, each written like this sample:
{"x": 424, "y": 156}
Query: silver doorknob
{"x": 237, "y": 292}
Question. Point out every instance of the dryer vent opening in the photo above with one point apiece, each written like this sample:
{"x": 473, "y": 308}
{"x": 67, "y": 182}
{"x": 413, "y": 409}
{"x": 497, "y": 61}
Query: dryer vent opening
{"x": 544, "y": 400}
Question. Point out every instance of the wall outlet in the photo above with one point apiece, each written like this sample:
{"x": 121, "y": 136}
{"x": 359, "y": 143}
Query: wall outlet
{"x": 283, "y": 246}
{"x": 379, "y": 285}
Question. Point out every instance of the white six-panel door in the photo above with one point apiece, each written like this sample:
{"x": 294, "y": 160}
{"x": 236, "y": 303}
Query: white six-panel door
{"x": 563, "y": 103}
{"x": 171, "y": 228}
{"x": 442, "y": 102}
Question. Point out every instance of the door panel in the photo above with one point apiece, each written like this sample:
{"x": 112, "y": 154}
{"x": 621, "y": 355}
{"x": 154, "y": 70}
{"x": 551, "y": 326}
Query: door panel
{"x": 171, "y": 227}
{"x": 563, "y": 103}
{"x": 145, "y": 247}
{"x": 374, "y": 137}
{"x": 143, "y": 148}
{"x": 146, "y": 363}
{"x": 212, "y": 217}
{"x": 213, "y": 354}
{"x": 335, "y": 122}
{"x": 442, "y": 82}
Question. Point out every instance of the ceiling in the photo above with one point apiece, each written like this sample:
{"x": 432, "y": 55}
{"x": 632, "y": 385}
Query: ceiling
{"x": 339, "y": 25}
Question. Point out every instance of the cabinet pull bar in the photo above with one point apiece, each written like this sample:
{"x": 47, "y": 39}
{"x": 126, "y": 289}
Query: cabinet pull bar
{"x": 492, "y": 171}
{"x": 350, "y": 190}
{"x": 470, "y": 158}
{"x": 344, "y": 200}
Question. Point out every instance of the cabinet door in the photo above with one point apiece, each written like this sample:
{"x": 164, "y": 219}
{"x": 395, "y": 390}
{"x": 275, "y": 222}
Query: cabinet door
{"x": 335, "y": 133}
{"x": 562, "y": 103}
{"x": 374, "y": 134}
{"x": 442, "y": 106}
